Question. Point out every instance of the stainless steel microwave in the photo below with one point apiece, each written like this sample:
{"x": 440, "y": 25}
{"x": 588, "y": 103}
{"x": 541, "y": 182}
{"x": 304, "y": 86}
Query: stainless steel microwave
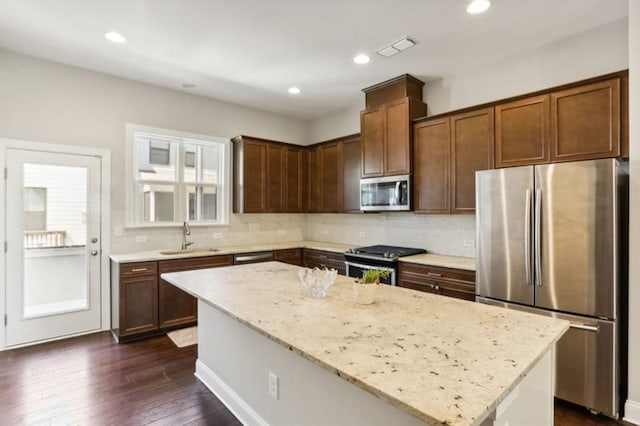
{"x": 390, "y": 193}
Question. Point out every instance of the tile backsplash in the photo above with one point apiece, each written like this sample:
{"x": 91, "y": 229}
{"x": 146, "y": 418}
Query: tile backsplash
{"x": 442, "y": 234}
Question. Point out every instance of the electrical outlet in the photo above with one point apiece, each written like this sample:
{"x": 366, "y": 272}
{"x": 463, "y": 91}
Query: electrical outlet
{"x": 118, "y": 231}
{"x": 141, "y": 239}
{"x": 273, "y": 385}
{"x": 362, "y": 234}
{"x": 281, "y": 231}
{"x": 216, "y": 235}
{"x": 469, "y": 243}
{"x": 325, "y": 232}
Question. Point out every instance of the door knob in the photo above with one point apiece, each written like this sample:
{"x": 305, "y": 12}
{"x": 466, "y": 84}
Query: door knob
{"x": 94, "y": 240}
{"x": 94, "y": 252}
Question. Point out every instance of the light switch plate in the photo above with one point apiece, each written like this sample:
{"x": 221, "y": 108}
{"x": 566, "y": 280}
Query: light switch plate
{"x": 141, "y": 239}
{"x": 469, "y": 243}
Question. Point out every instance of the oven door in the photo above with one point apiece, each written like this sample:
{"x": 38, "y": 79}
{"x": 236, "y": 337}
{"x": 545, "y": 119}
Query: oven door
{"x": 354, "y": 269}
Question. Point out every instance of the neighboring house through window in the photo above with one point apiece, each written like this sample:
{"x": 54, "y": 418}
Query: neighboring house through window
{"x": 177, "y": 177}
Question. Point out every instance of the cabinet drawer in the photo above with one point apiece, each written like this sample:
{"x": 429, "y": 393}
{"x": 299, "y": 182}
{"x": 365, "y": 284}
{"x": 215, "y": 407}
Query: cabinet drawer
{"x": 437, "y": 272}
{"x": 317, "y": 258}
{"x": 138, "y": 269}
{"x": 175, "y": 265}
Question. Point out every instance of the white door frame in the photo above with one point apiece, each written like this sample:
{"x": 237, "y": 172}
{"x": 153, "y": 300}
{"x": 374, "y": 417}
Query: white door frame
{"x": 105, "y": 226}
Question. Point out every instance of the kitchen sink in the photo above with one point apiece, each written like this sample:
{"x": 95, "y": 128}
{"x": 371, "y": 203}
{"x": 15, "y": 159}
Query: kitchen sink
{"x": 189, "y": 251}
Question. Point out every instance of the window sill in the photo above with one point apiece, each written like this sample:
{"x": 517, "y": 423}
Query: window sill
{"x": 174, "y": 225}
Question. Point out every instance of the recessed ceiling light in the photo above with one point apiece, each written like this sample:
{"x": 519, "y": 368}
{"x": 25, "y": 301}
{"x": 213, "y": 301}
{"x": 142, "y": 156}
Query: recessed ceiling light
{"x": 361, "y": 59}
{"x": 294, "y": 90}
{"x": 188, "y": 85}
{"x": 478, "y": 6}
{"x": 115, "y": 37}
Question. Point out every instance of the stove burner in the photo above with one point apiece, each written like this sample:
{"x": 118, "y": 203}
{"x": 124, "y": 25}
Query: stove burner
{"x": 383, "y": 252}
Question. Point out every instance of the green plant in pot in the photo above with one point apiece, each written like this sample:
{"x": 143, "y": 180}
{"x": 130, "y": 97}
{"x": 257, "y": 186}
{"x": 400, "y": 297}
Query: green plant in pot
{"x": 372, "y": 276}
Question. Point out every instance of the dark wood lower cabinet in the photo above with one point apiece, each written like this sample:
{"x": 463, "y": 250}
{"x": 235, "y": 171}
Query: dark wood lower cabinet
{"x": 291, "y": 256}
{"x": 318, "y": 258}
{"x": 456, "y": 283}
{"x": 176, "y": 307}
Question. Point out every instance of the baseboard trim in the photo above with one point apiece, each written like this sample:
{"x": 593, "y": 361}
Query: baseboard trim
{"x": 632, "y": 412}
{"x": 228, "y": 397}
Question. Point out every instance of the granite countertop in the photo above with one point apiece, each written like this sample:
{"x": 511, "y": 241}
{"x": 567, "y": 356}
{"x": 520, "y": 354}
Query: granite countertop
{"x": 467, "y": 263}
{"x": 143, "y": 256}
{"x": 452, "y": 363}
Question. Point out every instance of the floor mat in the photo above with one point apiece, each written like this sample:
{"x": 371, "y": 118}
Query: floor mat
{"x": 184, "y": 337}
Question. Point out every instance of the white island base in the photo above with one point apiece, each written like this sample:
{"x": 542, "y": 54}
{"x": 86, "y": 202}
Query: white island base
{"x": 235, "y": 363}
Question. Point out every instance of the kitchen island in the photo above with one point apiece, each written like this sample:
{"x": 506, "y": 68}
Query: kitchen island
{"x": 413, "y": 357}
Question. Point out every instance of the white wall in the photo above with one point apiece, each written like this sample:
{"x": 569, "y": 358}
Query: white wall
{"x": 343, "y": 122}
{"x": 48, "y": 102}
{"x": 632, "y": 407}
{"x": 589, "y": 54}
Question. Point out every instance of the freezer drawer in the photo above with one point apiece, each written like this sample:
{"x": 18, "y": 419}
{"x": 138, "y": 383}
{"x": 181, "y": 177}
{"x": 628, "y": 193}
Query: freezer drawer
{"x": 586, "y": 367}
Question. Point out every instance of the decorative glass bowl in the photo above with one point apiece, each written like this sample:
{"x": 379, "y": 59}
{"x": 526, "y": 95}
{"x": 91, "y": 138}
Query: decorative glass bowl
{"x": 316, "y": 281}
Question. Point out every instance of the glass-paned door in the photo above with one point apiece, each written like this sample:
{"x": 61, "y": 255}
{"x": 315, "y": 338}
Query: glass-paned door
{"x": 53, "y": 245}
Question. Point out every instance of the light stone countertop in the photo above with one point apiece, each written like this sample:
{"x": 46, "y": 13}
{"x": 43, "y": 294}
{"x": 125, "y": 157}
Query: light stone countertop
{"x": 467, "y": 263}
{"x": 144, "y": 256}
{"x": 444, "y": 360}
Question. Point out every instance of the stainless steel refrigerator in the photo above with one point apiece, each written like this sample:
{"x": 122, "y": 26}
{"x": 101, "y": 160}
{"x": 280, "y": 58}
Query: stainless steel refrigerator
{"x": 549, "y": 241}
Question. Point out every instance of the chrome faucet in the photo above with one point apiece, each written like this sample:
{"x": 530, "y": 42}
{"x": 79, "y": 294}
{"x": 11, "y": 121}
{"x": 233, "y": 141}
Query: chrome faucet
{"x": 185, "y": 231}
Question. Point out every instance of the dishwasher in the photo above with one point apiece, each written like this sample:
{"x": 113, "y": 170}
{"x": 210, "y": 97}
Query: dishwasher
{"x": 256, "y": 257}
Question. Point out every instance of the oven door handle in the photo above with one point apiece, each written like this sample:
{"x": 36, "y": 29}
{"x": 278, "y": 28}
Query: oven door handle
{"x": 360, "y": 265}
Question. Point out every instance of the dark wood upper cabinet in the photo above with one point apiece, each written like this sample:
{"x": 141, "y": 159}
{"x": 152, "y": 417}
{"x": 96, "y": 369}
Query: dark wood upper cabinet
{"x": 522, "y": 132}
{"x": 314, "y": 180}
{"x": 432, "y": 166}
{"x": 386, "y": 128}
{"x": 250, "y": 172}
{"x": 472, "y": 145}
{"x": 296, "y": 184}
{"x": 269, "y": 176}
{"x": 351, "y": 150}
{"x": 372, "y": 131}
{"x": 275, "y": 178}
{"x": 330, "y": 159}
{"x": 387, "y": 137}
{"x": 585, "y": 122}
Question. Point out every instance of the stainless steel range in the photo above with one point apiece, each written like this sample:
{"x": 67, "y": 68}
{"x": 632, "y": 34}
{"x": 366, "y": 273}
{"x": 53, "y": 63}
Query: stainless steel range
{"x": 377, "y": 257}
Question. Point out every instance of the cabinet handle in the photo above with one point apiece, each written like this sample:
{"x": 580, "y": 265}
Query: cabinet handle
{"x": 139, "y": 270}
{"x": 434, "y": 274}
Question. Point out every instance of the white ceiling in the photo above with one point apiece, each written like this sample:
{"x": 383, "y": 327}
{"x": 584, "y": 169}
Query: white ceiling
{"x": 251, "y": 51}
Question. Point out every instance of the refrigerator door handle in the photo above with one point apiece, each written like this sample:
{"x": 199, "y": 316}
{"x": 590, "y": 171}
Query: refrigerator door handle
{"x": 585, "y": 327}
{"x": 536, "y": 242}
{"x": 527, "y": 237}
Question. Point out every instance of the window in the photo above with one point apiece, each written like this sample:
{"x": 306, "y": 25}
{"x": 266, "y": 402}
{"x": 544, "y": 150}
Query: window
{"x": 176, "y": 177}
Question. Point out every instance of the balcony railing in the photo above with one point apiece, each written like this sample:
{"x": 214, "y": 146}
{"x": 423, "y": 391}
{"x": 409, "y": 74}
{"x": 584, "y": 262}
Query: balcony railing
{"x": 40, "y": 239}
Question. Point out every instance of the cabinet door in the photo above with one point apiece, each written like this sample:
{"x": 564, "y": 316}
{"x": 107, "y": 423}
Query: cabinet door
{"x": 522, "y": 132}
{"x": 314, "y": 181}
{"x": 290, "y": 256}
{"x": 431, "y": 168}
{"x": 372, "y": 133}
{"x": 254, "y": 172}
{"x": 275, "y": 177}
{"x": 351, "y": 151}
{"x": 585, "y": 122}
{"x": 471, "y": 150}
{"x": 176, "y": 307}
{"x": 138, "y": 302}
{"x": 397, "y": 138}
{"x": 295, "y": 180}
{"x": 330, "y": 157}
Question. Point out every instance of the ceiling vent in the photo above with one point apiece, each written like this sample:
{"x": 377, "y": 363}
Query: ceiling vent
{"x": 396, "y": 47}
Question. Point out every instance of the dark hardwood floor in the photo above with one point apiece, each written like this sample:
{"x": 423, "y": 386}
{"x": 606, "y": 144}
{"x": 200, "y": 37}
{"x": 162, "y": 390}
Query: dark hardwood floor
{"x": 91, "y": 380}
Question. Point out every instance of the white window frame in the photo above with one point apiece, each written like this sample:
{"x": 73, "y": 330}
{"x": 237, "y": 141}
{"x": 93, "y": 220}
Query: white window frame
{"x": 224, "y": 188}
